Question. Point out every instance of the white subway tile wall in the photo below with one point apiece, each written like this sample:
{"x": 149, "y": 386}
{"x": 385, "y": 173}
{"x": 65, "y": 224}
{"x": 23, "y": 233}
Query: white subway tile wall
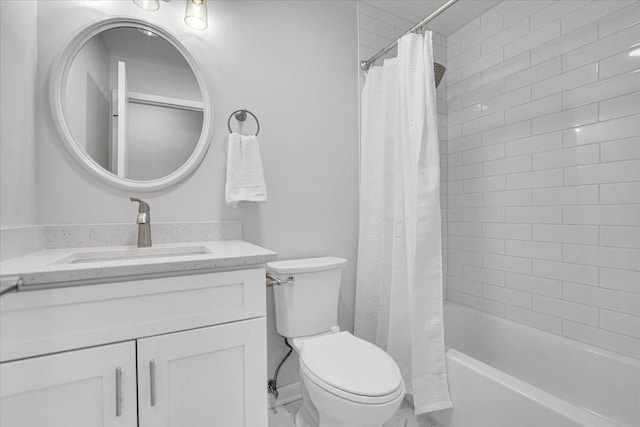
{"x": 543, "y": 172}
{"x": 378, "y": 28}
{"x": 539, "y": 123}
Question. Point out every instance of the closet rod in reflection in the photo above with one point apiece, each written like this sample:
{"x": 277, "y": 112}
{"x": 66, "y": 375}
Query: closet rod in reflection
{"x": 364, "y": 65}
{"x": 164, "y": 101}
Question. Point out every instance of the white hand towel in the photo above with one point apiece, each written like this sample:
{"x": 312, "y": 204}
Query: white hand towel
{"x": 245, "y": 176}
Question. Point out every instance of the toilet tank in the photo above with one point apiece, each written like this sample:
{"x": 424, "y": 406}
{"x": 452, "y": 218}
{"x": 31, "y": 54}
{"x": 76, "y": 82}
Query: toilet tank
{"x": 308, "y": 305}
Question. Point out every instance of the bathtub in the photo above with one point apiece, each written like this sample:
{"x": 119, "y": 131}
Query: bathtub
{"x": 504, "y": 374}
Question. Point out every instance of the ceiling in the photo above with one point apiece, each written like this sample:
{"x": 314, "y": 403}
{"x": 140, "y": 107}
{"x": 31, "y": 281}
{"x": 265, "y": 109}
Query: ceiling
{"x": 449, "y": 21}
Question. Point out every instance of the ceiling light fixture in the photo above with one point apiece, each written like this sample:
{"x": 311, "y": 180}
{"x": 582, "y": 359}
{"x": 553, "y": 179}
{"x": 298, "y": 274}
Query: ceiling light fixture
{"x": 196, "y": 14}
{"x": 148, "y": 4}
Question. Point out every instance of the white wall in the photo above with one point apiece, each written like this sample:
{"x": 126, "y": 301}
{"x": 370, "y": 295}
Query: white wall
{"x": 156, "y": 79}
{"x": 88, "y": 100}
{"x": 18, "y": 59}
{"x": 543, "y": 119}
{"x": 159, "y": 139}
{"x": 291, "y": 63}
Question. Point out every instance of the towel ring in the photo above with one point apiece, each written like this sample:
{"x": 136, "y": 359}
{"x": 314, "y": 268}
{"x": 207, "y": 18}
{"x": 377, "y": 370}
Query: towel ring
{"x": 241, "y": 116}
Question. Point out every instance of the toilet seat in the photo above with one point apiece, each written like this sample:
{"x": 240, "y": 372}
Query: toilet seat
{"x": 351, "y": 368}
{"x": 367, "y": 400}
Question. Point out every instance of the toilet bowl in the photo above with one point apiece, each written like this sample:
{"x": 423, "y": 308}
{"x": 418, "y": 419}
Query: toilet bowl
{"x": 346, "y": 381}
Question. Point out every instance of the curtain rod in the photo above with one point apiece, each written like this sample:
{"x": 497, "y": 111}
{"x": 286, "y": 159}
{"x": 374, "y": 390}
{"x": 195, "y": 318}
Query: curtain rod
{"x": 364, "y": 65}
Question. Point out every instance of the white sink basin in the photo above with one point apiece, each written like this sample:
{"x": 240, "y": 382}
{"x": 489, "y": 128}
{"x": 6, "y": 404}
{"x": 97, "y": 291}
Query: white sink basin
{"x": 132, "y": 254}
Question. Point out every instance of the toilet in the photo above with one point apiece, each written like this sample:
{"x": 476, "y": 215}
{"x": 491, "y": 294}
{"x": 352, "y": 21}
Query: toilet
{"x": 346, "y": 381}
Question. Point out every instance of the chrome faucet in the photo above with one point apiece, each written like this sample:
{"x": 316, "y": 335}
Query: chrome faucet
{"x": 144, "y": 223}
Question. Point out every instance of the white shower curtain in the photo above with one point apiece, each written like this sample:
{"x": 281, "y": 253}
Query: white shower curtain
{"x": 399, "y": 278}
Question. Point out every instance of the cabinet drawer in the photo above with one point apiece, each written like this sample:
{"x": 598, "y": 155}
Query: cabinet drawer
{"x": 48, "y": 321}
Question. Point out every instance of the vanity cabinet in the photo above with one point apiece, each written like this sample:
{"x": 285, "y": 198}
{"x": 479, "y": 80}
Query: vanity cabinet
{"x": 186, "y": 350}
{"x": 95, "y": 387}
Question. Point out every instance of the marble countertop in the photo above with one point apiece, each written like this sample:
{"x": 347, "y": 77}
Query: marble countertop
{"x": 51, "y": 267}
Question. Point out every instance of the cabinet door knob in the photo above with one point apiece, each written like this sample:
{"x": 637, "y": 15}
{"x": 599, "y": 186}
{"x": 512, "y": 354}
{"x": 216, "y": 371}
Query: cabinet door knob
{"x": 152, "y": 381}
{"x": 118, "y": 391}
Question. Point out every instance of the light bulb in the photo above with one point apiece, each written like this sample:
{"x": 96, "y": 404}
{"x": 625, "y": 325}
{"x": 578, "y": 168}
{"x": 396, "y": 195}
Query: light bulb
{"x": 196, "y": 14}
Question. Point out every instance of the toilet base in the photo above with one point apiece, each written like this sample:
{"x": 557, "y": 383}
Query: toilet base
{"x": 303, "y": 419}
{"x": 309, "y": 416}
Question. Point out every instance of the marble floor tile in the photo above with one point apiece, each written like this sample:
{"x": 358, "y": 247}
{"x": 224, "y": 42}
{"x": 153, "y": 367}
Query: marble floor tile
{"x": 282, "y": 416}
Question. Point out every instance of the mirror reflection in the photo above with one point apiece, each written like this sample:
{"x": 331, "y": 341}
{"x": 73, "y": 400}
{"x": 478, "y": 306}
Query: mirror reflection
{"x": 133, "y": 104}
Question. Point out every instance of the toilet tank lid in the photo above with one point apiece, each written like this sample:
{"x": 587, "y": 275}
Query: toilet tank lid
{"x": 306, "y": 265}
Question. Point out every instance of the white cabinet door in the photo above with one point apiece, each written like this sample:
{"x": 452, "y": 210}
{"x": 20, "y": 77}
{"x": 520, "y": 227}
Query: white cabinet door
{"x": 94, "y": 387}
{"x": 205, "y": 377}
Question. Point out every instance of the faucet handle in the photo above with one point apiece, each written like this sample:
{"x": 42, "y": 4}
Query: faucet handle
{"x": 144, "y": 206}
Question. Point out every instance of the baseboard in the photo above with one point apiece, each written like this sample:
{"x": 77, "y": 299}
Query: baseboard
{"x": 286, "y": 394}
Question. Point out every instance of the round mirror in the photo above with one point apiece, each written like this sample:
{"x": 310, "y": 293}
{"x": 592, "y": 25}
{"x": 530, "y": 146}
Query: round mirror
{"x": 131, "y": 105}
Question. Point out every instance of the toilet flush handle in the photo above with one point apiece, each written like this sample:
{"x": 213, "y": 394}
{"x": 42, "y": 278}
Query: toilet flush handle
{"x": 273, "y": 280}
